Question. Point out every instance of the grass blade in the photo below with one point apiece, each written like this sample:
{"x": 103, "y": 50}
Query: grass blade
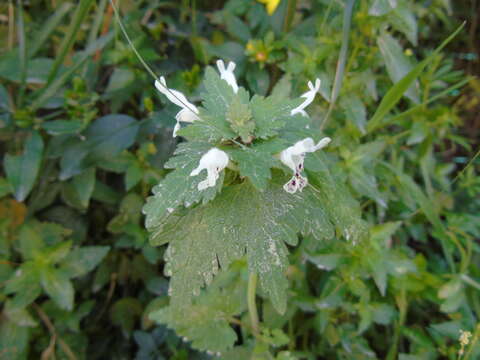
{"x": 22, "y": 52}
{"x": 52, "y": 22}
{"x": 80, "y": 13}
{"x": 393, "y": 96}
{"x": 342, "y": 59}
{"x": 51, "y": 89}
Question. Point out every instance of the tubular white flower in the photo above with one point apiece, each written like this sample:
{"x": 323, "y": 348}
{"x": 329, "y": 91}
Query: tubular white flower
{"x": 309, "y": 96}
{"x": 294, "y": 157}
{"x": 189, "y": 112}
{"x": 227, "y": 74}
{"x": 214, "y": 161}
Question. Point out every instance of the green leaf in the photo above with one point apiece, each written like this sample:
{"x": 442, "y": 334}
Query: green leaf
{"x": 178, "y": 188}
{"x": 14, "y": 340}
{"x": 381, "y": 7}
{"x": 48, "y": 27}
{"x": 398, "y": 64}
{"x": 68, "y": 40}
{"x": 57, "y": 285}
{"x": 25, "y": 284}
{"x": 105, "y": 138}
{"x": 393, "y": 96}
{"x": 205, "y": 323}
{"x": 241, "y": 220}
{"x": 19, "y": 315}
{"x": 78, "y": 191}
{"x": 61, "y": 127}
{"x": 4, "y": 187}
{"x": 342, "y": 209}
{"x": 403, "y": 20}
{"x": 22, "y": 170}
{"x": 213, "y": 125}
{"x": 355, "y": 111}
{"x": 82, "y": 260}
{"x": 56, "y": 253}
{"x": 30, "y": 241}
{"x": 124, "y": 313}
{"x": 239, "y": 116}
{"x": 272, "y": 113}
{"x": 254, "y": 164}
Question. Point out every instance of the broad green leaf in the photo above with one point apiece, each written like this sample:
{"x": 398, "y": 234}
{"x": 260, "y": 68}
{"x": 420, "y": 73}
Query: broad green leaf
{"x": 57, "y": 285}
{"x": 56, "y": 253}
{"x": 124, "y": 313}
{"x": 30, "y": 241}
{"x": 325, "y": 261}
{"x": 342, "y": 209}
{"x": 25, "y": 284}
{"x": 397, "y": 63}
{"x": 14, "y": 340}
{"x": 355, "y": 111}
{"x": 18, "y": 315}
{"x": 81, "y": 261}
{"x": 382, "y": 7}
{"x": 105, "y": 138}
{"x": 239, "y": 116}
{"x": 22, "y": 170}
{"x": 254, "y": 164}
{"x": 61, "y": 127}
{"x": 213, "y": 125}
{"x": 178, "y": 187}
{"x": 393, "y": 96}
{"x": 271, "y": 114}
{"x": 205, "y": 323}
{"x": 403, "y": 20}
{"x": 78, "y": 191}
{"x": 241, "y": 220}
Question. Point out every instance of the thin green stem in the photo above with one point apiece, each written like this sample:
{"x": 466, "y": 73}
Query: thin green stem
{"x": 291, "y": 7}
{"x": 252, "y": 307}
{"x": 22, "y": 53}
{"x": 342, "y": 59}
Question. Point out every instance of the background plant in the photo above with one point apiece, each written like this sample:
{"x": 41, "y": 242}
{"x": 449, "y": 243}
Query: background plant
{"x": 85, "y": 138}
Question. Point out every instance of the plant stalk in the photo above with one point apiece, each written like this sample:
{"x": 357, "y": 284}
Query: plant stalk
{"x": 342, "y": 59}
{"x": 252, "y": 307}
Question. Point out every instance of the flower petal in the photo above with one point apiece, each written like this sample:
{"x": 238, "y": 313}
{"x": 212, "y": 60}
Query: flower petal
{"x": 227, "y": 74}
{"x": 174, "y": 96}
{"x": 214, "y": 161}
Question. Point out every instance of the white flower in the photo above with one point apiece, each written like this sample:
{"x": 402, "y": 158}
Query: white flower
{"x": 227, "y": 74}
{"x": 294, "y": 156}
{"x": 189, "y": 112}
{"x": 214, "y": 161}
{"x": 309, "y": 96}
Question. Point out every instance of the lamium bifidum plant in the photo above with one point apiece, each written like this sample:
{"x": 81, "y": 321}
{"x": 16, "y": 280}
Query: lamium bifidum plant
{"x": 250, "y": 180}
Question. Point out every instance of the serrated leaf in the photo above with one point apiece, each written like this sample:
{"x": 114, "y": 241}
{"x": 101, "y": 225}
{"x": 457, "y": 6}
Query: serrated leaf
{"x": 57, "y": 285}
{"x": 254, "y": 164}
{"x": 342, "y": 209}
{"x": 205, "y": 323}
{"x": 242, "y": 220}
{"x": 22, "y": 170}
{"x": 239, "y": 116}
{"x": 82, "y": 260}
{"x": 271, "y": 114}
{"x": 178, "y": 188}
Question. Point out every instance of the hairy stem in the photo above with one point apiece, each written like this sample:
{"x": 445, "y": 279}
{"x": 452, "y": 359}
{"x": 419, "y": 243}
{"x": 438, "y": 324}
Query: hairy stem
{"x": 252, "y": 307}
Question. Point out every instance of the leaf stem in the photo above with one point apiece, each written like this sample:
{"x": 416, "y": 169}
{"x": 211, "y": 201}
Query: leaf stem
{"x": 252, "y": 307}
{"x": 287, "y": 23}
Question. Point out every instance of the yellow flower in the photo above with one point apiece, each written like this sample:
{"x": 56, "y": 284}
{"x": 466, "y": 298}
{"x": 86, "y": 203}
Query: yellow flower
{"x": 271, "y": 5}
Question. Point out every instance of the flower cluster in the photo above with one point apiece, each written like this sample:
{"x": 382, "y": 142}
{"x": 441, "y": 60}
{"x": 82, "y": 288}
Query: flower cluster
{"x": 215, "y": 160}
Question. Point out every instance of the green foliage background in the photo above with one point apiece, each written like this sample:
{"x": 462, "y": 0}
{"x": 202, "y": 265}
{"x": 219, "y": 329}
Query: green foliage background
{"x": 85, "y": 137}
